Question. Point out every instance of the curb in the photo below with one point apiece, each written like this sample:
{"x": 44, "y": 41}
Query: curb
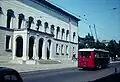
{"x": 115, "y": 62}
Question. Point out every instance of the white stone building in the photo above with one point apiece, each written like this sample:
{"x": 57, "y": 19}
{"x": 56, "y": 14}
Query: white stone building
{"x": 37, "y": 29}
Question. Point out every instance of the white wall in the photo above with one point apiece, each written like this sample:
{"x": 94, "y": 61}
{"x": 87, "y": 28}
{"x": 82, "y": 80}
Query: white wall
{"x": 3, "y": 34}
{"x": 45, "y": 14}
{"x": 19, "y": 7}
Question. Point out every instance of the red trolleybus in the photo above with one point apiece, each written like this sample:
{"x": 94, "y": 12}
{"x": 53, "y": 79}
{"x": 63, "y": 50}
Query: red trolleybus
{"x": 93, "y": 58}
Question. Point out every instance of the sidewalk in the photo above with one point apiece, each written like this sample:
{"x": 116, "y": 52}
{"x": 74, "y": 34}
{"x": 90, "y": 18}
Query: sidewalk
{"x": 27, "y": 68}
{"x": 32, "y": 67}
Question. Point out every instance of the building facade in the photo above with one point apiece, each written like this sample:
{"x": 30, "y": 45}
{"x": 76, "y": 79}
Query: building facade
{"x": 37, "y": 29}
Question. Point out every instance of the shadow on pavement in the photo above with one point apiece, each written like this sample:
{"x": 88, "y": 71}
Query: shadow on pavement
{"x": 95, "y": 69}
{"x": 111, "y": 78}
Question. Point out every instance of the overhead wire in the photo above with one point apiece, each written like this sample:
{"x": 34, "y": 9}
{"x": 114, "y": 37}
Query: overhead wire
{"x": 86, "y": 21}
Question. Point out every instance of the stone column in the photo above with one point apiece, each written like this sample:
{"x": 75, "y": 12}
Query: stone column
{"x": 35, "y": 49}
{"x": 23, "y": 24}
{"x": 25, "y": 44}
{"x": 70, "y": 40}
{"x": 59, "y": 34}
{"x": 76, "y": 50}
{"x": 51, "y": 50}
{"x": 44, "y": 49}
{"x": 37, "y": 46}
{"x": 60, "y": 51}
{"x": 14, "y": 48}
{"x": 12, "y": 22}
{"x": 70, "y": 52}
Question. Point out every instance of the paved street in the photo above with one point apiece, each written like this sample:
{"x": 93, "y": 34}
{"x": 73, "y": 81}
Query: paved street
{"x": 68, "y": 74}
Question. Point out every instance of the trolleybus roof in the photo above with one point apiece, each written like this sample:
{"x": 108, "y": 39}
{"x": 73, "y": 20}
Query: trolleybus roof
{"x": 92, "y": 49}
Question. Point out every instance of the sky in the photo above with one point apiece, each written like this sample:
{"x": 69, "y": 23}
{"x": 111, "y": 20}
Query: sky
{"x": 105, "y": 14}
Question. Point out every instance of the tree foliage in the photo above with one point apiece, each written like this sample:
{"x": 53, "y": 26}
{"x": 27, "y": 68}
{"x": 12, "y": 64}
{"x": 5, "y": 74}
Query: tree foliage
{"x": 114, "y": 48}
{"x": 89, "y": 42}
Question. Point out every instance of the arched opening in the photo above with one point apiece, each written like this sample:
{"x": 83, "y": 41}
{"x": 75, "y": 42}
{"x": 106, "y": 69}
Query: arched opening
{"x": 52, "y": 29}
{"x": 40, "y": 48}
{"x": 46, "y": 26}
{"x": 67, "y": 33}
{"x": 30, "y": 22}
{"x": 62, "y": 50}
{"x": 48, "y": 49}
{"x": 58, "y": 30}
{"x": 63, "y": 31}
{"x": 74, "y": 34}
{"x": 66, "y": 49}
{"x": 39, "y": 23}
{"x": 20, "y": 18}
{"x": 10, "y": 14}
{"x": 19, "y": 47}
{"x": 1, "y": 12}
{"x": 57, "y": 49}
{"x": 31, "y": 45}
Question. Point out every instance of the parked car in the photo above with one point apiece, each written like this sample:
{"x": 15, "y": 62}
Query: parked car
{"x": 9, "y": 75}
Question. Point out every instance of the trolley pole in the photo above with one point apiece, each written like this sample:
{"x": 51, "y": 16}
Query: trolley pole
{"x": 95, "y": 32}
{"x": 90, "y": 30}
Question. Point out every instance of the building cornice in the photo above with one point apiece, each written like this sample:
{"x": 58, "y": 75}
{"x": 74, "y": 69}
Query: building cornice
{"x": 56, "y": 8}
{"x": 44, "y": 33}
{"x": 8, "y": 29}
{"x": 61, "y": 40}
{"x": 5, "y": 28}
{"x": 65, "y": 41}
{"x": 73, "y": 43}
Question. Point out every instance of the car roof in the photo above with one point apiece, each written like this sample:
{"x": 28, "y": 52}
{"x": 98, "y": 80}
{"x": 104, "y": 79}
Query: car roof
{"x": 6, "y": 70}
{"x": 3, "y": 69}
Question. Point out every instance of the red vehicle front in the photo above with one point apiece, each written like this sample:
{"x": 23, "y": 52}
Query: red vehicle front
{"x": 86, "y": 59}
{"x": 93, "y": 58}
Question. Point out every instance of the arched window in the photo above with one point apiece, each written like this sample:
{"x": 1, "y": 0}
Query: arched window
{"x": 66, "y": 49}
{"x": 30, "y": 21}
{"x": 19, "y": 46}
{"x": 63, "y": 31}
{"x": 57, "y": 49}
{"x": 31, "y": 47}
{"x": 8, "y": 42}
{"x": 58, "y": 30}
{"x": 10, "y": 14}
{"x": 67, "y": 32}
{"x": 1, "y": 12}
{"x": 74, "y": 34}
{"x": 38, "y": 24}
{"x": 52, "y": 29}
{"x": 46, "y": 26}
{"x": 21, "y": 18}
{"x": 62, "y": 49}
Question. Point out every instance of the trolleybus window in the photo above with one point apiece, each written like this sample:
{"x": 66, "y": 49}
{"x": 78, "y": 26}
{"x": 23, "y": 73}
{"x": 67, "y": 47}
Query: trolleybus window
{"x": 101, "y": 54}
{"x": 85, "y": 53}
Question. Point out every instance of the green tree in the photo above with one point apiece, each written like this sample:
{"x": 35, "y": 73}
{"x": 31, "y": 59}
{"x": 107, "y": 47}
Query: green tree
{"x": 81, "y": 45}
{"x": 113, "y": 48}
{"x": 99, "y": 45}
{"x": 89, "y": 41}
{"x": 119, "y": 49}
